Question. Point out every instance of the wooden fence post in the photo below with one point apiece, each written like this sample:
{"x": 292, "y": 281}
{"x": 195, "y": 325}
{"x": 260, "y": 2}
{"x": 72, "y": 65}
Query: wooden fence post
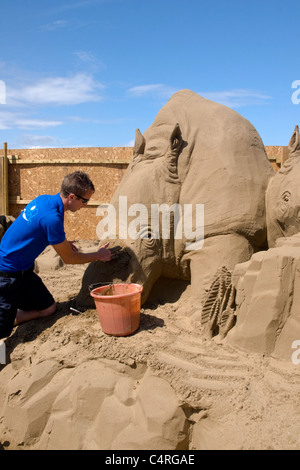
{"x": 1, "y": 184}
{"x": 4, "y": 203}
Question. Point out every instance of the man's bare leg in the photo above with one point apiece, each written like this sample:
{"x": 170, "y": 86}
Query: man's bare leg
{"x": 23, "y": 315}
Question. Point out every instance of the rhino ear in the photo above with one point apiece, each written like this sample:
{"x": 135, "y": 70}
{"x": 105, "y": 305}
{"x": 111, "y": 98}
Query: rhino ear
{"x": 294, "y": 144}
{"x": 139, "y": 145}
{"x": 171, "y": 169}
{"x": 176, "y": 139}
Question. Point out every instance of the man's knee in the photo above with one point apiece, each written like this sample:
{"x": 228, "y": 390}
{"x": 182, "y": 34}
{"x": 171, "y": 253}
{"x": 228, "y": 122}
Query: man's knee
{"x": 49, "y": 311}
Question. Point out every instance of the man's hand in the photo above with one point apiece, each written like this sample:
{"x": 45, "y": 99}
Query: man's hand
{"x": 115, "y": 252}
{"x": 108, "y": 254}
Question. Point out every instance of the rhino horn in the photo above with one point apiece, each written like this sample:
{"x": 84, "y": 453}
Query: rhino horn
{"x": 294, "y": 144}
{"x": 139, "y": 145}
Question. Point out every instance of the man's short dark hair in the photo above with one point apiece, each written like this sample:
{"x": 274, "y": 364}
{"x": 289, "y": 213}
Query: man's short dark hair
{"x": 77, "y": 182}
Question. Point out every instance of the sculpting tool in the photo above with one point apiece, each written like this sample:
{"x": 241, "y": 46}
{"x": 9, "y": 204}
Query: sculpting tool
{"x": 74, "y": 310}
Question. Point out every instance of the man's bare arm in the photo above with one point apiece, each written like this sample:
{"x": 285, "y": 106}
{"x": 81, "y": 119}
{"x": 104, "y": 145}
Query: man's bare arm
{"x": 70, "y": 256}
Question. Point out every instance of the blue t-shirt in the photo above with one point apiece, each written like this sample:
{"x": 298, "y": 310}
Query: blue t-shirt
{"x": 40, "y": 224}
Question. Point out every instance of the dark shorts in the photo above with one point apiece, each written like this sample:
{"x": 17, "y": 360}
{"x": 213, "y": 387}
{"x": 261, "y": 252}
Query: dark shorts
{"x": 26, "y": 292}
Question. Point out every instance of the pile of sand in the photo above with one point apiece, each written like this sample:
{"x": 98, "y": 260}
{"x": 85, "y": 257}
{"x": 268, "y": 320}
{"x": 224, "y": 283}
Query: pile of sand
{"x": 67, "y": 385}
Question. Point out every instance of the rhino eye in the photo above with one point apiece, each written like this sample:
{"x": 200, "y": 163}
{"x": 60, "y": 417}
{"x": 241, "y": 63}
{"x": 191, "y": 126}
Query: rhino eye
{"x": 149, "y": 237}
{"x": 286, "y": 196}
{"x": 285, "y": 201}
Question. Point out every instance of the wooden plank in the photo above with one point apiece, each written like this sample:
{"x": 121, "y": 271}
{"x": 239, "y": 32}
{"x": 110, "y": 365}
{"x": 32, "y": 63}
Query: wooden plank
{"x": 15, "y": 161}
{"x": 2, "y": 211}
{"x": 23, "y": 202}
{"x": 5, "y": 189}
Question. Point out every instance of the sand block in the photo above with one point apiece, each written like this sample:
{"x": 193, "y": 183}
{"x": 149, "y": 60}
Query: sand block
{"x": 98, "y": 404}
{"x": 268, "y": 290}
{"x": 49, "y": 260}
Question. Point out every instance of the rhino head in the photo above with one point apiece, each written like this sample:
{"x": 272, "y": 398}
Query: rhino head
{"x": 150, "y": 181}
{"x": 283, "y": 196}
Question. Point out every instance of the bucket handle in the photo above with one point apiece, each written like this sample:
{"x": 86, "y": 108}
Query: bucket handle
{"x": 99, "y": 284}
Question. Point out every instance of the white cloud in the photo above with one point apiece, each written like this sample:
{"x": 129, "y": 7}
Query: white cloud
{"x": 82, "y": 4}
{"x": 54, "y": 25}
{"x": 236, "y": 98}
{"x": 80, "y": 88}
{"x": 39, "y": 141}
{"x": 86, "y": 56}
{"x": 79, "y": 119}
{"x": 26, "y": 123}
{"x": 160, "y": 90}
{"x": 9, "y": 120}
{"x": 89, "y": 60}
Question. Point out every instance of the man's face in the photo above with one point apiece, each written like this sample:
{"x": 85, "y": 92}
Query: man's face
{"x": 77, "y": 201}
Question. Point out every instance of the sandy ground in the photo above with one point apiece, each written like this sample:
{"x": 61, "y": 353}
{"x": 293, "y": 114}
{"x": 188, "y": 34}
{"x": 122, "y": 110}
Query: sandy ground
{"x": 247, "y": 401}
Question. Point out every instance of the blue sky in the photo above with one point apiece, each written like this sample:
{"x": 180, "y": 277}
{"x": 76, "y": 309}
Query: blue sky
{"x": 87, "y": 73}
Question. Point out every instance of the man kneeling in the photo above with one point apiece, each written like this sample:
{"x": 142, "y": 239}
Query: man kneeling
{"x": 23, "y": 295}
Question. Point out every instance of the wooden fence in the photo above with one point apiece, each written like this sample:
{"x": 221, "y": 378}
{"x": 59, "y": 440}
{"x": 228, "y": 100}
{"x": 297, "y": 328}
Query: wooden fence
{"x": 25, "y": 174}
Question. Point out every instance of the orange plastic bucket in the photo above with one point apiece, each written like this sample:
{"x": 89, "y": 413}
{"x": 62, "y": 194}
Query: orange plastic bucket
{"x": 118, "y": 307}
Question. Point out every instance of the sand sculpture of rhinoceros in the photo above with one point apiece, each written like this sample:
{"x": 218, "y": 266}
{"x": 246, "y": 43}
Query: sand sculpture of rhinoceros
{"x": 196, "y": 154}
{"x": 283, "y": 196}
